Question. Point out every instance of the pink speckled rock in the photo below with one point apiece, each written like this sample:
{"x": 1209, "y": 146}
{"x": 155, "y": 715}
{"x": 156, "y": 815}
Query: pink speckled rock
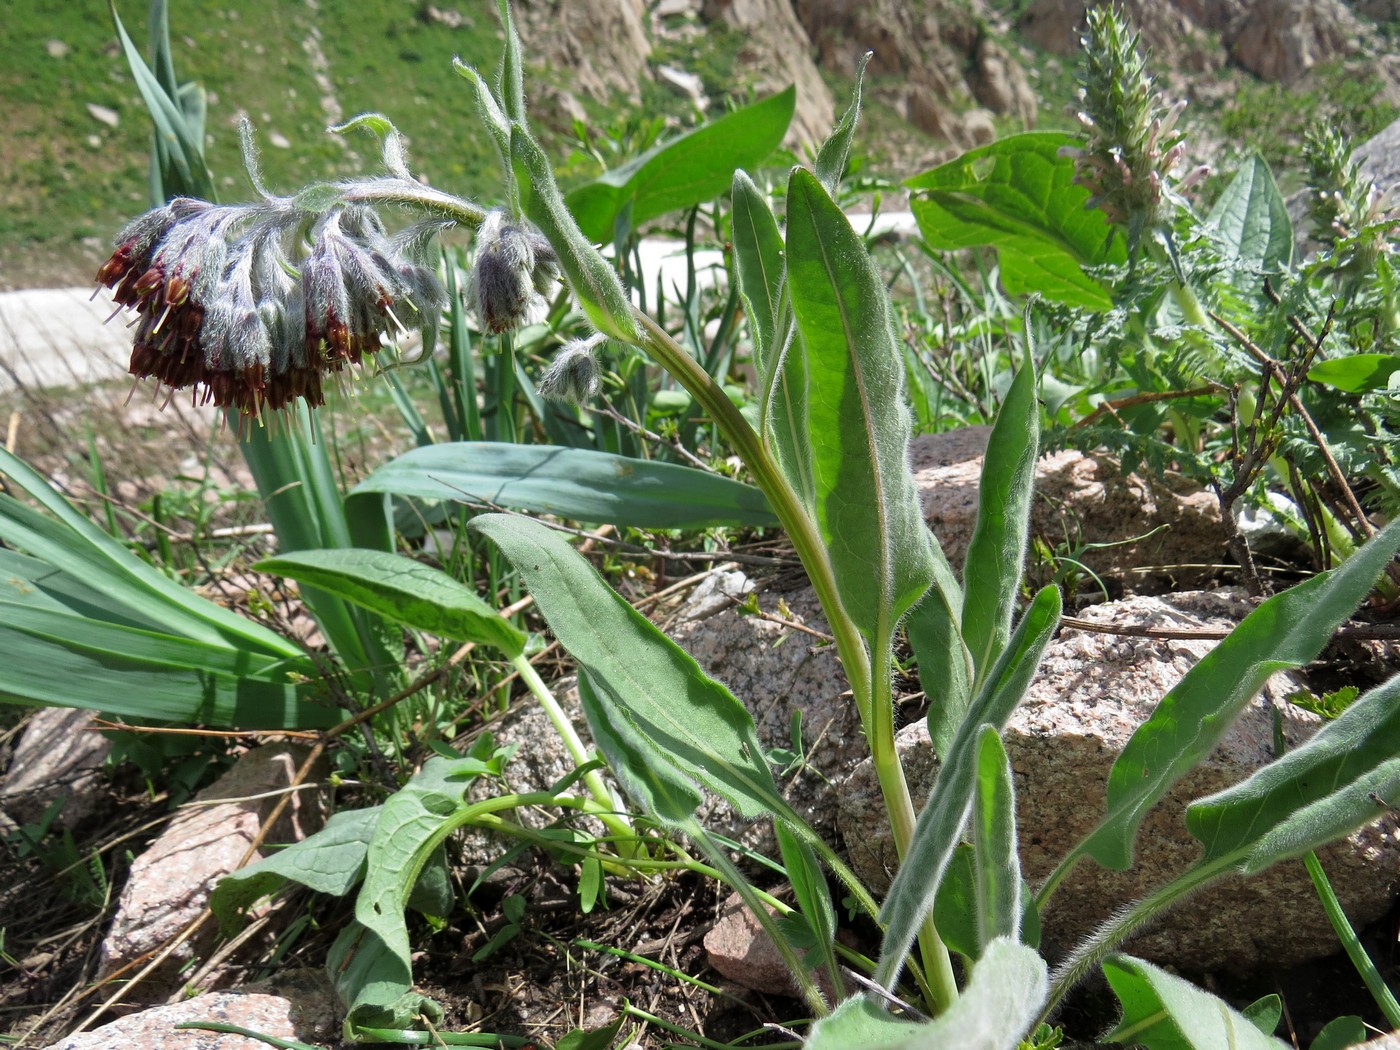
{"x": 1091, "y": 693}
{"x": 169, "y": 884}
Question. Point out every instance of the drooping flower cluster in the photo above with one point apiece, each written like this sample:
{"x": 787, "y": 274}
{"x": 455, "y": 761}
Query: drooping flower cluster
{"x": 1132, "y": 143}
{"x": 251, "y": 306}
{"x": 515, "y": 268}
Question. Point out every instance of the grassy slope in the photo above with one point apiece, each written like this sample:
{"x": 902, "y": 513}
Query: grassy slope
{"x": 67, "y": 181}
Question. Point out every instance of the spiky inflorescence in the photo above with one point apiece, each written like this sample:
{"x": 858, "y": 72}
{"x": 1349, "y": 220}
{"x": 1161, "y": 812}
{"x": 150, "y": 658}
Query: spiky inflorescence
{"x": 1345, "y": 207}
{"x": 1132, "y": 143}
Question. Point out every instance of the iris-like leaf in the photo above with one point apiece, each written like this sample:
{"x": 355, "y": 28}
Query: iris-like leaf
{"x": 578, "y": 484}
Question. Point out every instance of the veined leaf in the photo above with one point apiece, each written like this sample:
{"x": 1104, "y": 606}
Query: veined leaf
{"x": 1018, "y": 195}
{"x": 758, "y": 261}
{"x": 836, "y": 150}
{"x": 684, "y": 171}
{"x": 858, "y": 424}
{"x": 997, "y": 551}
{"x": 645, "y": 677}
{"x": 1163, "y": 1012}
{"x": 404, "y": 590}
{"x": 1356, "y": 373}
{"x": 1252, "y": 223}
{"x": 1286, "y": 631}
{"x": 574, "y": 483}
{"x": 915, "y": 887}
{"x": 1296, "y": 801}
{"x": 994, "y": 1012}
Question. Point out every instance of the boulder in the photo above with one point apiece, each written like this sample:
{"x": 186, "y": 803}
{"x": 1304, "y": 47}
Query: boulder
{"x": 1091, "y": 693}
{"x": 1081, "y": 500}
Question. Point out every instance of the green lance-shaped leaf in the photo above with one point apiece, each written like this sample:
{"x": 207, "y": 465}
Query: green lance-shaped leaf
{"x": 1339, "y": 773}
{"x": 994, "y": 1012}
{"x": 177, "y": 142}
{"x": 813, "y": 897}
{"x": 858, "y": 424}
{"x": 1163, "y": 1012}
{"x": 648, "y": 679}
{"x": 936, "y": 835}
{"x": 685, "y": 171}
{"x": 835, "y": 152}
{"x": 1356, "y": 373}
{"x": 1286, "y": 631}
{"x": 945, "y": 665}
{"x": 1018, "y": 195}
{"x": 512, "y": 80}
{"x": 593, "y": 281}
{"x": 657, "y": 786}
{"x": 758, "y": 259}
{"x": 1251, "y": 222}
{"x": 578, "y": 484}
{"x": 996, "y": 862}
{"x": 1340, "y": 1033}
{"x": 403, "y": 590}
{"x": 997, "y": 550}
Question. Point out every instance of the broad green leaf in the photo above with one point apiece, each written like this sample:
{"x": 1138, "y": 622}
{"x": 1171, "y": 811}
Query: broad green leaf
{"x": 597, "y": 1039}
{"x": 1332, "y": 767}
{"x": 684, "y": 171}
{"x": 858, "y": 424}
{"x": 574, "y": 483}
{"x": 758, "y": 261}
{"x": 836, "y": 150}
{"x": 1340, "y": 1033}
{"x": 997, "y": 551}
{"x": 1164, "y": 1012}
{"x": 1252, "y": 224}
{"x": 648, "y": 679}
{"x": 936, "y": 835}
{"x": 1264, "y": 1013}
{"x": 1018, "y": 195}
{"x": 997, "y": 866}
{"x": 411, "y": 825}
{"x": 594, "y": 282}
{"x": 403, "y": 590}
{"x": 1357, "y": 373}
{"x": 331, "y": 861}
{"x": 994, "y": 1012}
{"x": 1286, "y": 631}
{"x": 657, "y": 786}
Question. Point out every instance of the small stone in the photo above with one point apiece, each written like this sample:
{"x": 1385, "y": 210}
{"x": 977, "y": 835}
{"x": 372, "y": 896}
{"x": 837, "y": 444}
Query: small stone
{"x": 739, "y": 948}
{"x": 104, "y": 114}
{"x": 57, "y": 49}
{"x": 276, "y": 138}
{"x": 57, "y": 757}
{"x": 299, "y": 1005}
{"x": 95, "y": 141}
{"x": 687, "y": 85}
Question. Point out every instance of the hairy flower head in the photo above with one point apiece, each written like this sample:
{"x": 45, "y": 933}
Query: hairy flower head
{"x": 514, "y": 267}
